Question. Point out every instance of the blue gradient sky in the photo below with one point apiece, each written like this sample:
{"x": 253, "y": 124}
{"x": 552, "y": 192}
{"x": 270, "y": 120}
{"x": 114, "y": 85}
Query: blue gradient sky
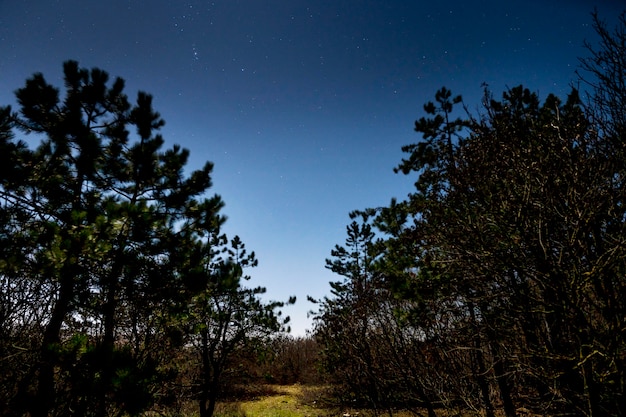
{"x": 302, "y": 105}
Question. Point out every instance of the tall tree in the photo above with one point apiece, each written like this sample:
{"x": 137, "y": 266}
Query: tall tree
{"x": 364, "y": 344}
{"x": 225, "y": 316}
{"x": 509, "y": 252}
{"x": 344, "y": 321}
{"x": 98, "y": 208}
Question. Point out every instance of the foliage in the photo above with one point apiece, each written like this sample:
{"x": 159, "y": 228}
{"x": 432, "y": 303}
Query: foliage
{"x": 505, "y": 265}
{"x": 226, "y": 317}
{"x": 104, "y": 241}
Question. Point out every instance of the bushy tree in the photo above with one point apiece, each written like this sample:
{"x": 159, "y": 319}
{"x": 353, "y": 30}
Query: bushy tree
{"x": 225, "y": 318}
{"x": 102, "y": 238}
{"x": 509, "y": 253}
{"x": 366, "y": 348}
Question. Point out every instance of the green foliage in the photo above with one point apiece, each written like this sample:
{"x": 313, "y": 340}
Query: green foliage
{"x": 109, "y": 250}
{"x": 225, "y": 317}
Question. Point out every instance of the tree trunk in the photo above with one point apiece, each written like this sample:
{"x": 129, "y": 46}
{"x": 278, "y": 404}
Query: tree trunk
{"x": 43, "y": 399}
{"x": 207, "y": 406}
{"x": 503, "y": 386}
{"x": 208, "y": 397}
{"x": 211, "y": 371}
{"x": 105, "y": 363}
{"x": 499, "y": 370}
{"x": 481, "y": 379}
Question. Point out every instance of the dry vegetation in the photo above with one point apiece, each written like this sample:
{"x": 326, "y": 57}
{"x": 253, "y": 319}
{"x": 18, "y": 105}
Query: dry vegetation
{"x": 299, "y": 400}
{"x": 279, "y": 401}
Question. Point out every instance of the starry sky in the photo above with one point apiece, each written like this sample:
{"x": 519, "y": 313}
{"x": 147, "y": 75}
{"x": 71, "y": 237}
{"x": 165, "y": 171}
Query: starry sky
{"x": 303, "y": 106}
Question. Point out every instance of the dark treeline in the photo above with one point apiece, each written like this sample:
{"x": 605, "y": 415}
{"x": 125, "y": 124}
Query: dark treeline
{"x": 499, "y": 283}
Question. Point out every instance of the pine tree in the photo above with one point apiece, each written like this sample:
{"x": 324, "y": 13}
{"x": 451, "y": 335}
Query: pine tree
{"x": 92, "y": 214}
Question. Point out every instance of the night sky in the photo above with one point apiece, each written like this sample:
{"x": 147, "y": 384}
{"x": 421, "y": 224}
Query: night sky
{"x": 303, "y": 106}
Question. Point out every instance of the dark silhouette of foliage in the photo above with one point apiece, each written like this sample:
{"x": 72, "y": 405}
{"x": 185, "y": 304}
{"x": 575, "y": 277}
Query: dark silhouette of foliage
{"x": 505, "y": 265}
{"x": 225, "y": 318}
{"x": 365, "y": 347}
{"x": 103, "y": 248}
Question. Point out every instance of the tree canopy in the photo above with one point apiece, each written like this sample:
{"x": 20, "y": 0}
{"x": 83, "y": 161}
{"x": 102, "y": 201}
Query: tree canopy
{"x": 504, "y": 268}
{"x": 107, "y": 246}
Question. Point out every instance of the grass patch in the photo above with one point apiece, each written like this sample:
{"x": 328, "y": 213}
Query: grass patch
{"x": 311, "y": 401}
{"x": 285, "y": 401}
{"x": 294, "y": 401}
